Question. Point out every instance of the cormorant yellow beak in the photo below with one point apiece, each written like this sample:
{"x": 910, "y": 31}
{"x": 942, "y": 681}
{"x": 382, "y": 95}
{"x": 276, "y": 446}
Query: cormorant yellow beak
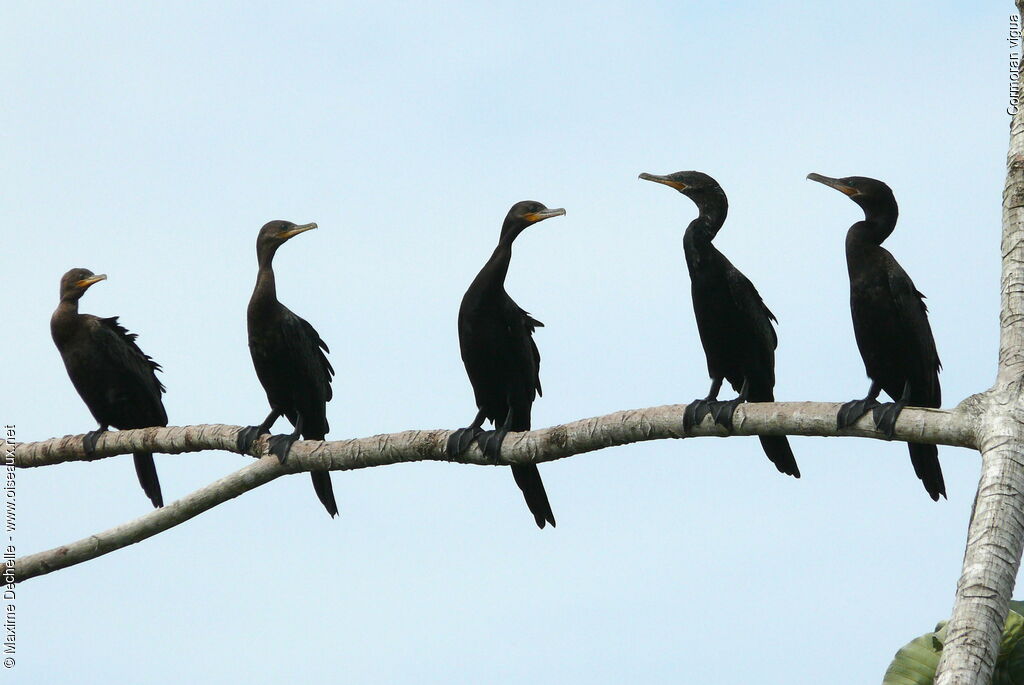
{"x": 678, "y": 185}
{"x": 534, "y": 217}
{"x": 295, "y": 230}
{"x": 834, "y": 183}
{"x": 86, "y": 282}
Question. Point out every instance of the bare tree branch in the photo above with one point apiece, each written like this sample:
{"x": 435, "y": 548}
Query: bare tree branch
{"x": 955, "y": 428}
{"x": 621, "y": 428}
{"x": 147, "y": 525}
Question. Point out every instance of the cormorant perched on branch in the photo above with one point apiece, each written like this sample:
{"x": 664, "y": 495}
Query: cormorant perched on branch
{"x": 501, "y": 358}
{"x": 115, "y": 378}
{"x": 734, "y": 324}
{"x": 290, "y": 362}
{"x": 890, "y": 321}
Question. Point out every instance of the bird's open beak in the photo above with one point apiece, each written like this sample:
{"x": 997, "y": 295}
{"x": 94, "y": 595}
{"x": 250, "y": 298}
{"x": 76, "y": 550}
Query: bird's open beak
{"x": 834, "y": 183}
{"x": 534, "y": 217}
{"x": 295, "y": 230}
{"x": 86, "y": 282}
{"x": 678, "y": 185}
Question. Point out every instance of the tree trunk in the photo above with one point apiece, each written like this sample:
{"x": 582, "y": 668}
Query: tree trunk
{"x": 996, "y": 531}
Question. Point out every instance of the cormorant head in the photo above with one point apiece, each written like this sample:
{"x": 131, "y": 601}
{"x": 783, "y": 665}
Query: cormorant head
{"x": 74, "y": 283}
{"x": 873, "y": 196}
{"x": 524, "y": 214}
{"x": 699, "y": 187}
{"x": 275, "y": 233}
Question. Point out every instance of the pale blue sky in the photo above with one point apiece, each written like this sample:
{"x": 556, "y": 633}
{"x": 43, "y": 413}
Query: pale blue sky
{"x": 151, "y": 143}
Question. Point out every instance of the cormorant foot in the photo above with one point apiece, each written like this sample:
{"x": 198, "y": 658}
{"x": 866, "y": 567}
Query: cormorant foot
{"x": 490, "y": 442}
{"x": 246, "y": 437}
{"x": 90, "y": 439}
{"x": 460, "y": 440}
{"x": 695, "y": 412}
{"x": 722, "y": 412}
{"x": 851, "y": 412}
{"x": 885, "y": 416}
{"x": 280, "y": 445}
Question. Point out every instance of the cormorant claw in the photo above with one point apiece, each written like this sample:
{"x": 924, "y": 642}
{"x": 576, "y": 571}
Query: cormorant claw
{"x": 490, "y": 442}
{"x": 90, "y": 439}
{"x": 246, "y": 437}
{"x": 280, "y": 445}
{"x": 695, "y": 412}
{"x": 722, "y": 412}
{"x": 885, "y": 416}
{"x": 460, "y": 440}
{"x": 851, "y": 411}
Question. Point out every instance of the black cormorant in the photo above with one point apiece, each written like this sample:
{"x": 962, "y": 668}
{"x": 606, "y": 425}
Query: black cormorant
{"x": 501, "y": 358}
{"x": 890, "y": 322}
{"x": 734, "y": 324}
{"x": 115, "y": 378}
{"x": 290, "y": 362}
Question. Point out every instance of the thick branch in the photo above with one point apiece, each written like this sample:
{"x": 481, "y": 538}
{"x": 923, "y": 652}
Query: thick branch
{"x": 557, "y": 442}
{"x": 938, "y": 426}
{"x": 156, "y": 521}
{"x": 992, "y": 557}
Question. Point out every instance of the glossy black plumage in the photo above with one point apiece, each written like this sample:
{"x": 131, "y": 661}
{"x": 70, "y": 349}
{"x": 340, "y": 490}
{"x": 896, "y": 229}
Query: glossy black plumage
{"x": 501, "y": 358}
{"x": 734, "y": 324}
{"x": 113, "y": 376}
{"x": 890, "y": 322}
{"x": 290, "y": 361}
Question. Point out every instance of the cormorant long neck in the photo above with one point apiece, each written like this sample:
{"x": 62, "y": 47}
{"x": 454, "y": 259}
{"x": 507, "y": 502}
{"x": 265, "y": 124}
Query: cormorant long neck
{"x": 714, "y": 207}
{"x": 266, "y": 288}
{"x": 879, "y": 222}
{"x": 702, "y": 230}
{"x": 68, "y": 305}
{"x": 491, "y": 279}
{"x": 64, "y": 319}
